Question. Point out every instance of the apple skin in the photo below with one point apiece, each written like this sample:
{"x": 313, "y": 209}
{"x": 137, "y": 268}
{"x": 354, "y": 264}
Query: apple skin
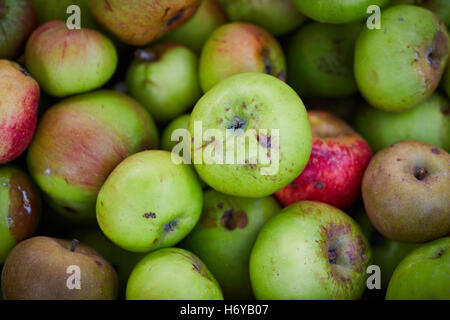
{"x": 172, "y": 274}
{"x": 18, "y": 110}
{"x": 405, "y": 192}
{"x": 225, "y": 235}
{"x": 16, "y": 22}
{"x": 423, "y": 274}
{"x": 337, "y": 11}
{"x": 440, "y": 7}
{"x": 66, "y": 62}
{"x": 149, "y": 202}
{"x": 20, "y": 208}
{"x": 123, "y": 261}
{"x": 320, "y": 60}
{"x": 36, "y": 269}
{"x": 427, "y": 122}
{"x": 181, "y": 122}
{"x": 276, "y": 16}
{"x": 262, "y": 102}
{"x": 48, "y": 10}
{"x": 139, "y": 22}
{"x": 310, "y": 251}
{"x": 196, "y": 31}
{"x": 153, "y": 80}
{"x": 78, "y": 143}
{"x": 239, "y": 48}
{"x": 446, "y": 81}
{"x": 411, "y": 48}
{"x": 336, "y": 166}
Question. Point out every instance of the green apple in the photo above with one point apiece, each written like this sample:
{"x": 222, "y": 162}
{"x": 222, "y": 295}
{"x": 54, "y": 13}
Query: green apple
{"x": 310, "y": 250}
{"x": 149, "y": 202}
{"x": 428, "y": 122}
{"x": 164, "y": 78}
{"x": 225, "y": 235}
{"x": 16, "y": 23}
{"x": 423, "y": 274}
{"x": 337, "y": 11}
{"x": 440, "y": 7}
{"x": 66, "y": 62}
{"x": 48, "y": 10}
{"x": 41, "y": 268}
{"x": 139, "y": 22}
{"x": 276, "y": 16}
{"x": 79, "y": 141}
{"x": 182, "y": 122}
{"x": 20, "y": 208}
{"x": 172, "y": 274}
{"x": 238, "y": 48}
{"x": 196, "y": 31}
{"x": 320, "y": 60}
{"x": 260, "y": 136}
{"x": 123, "y": 261}
{"x": 405, "y": 192}
{"x": 401, "y": 64}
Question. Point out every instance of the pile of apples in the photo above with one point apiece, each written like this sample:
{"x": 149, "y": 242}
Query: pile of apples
{"x": 353, "y": 201}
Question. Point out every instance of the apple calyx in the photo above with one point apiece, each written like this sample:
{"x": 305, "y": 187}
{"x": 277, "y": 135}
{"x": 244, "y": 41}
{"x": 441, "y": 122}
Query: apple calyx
{"x": 74, "y": 245}
{"x": 237, "y": 124}
{"x": 420, "y": 173}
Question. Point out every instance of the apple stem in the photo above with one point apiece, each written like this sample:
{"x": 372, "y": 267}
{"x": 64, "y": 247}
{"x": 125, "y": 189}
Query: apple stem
{"x": 420, "y": 173}
{"x": 75, "y": 243}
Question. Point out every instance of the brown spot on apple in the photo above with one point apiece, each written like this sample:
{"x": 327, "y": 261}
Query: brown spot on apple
{"x": 232, "y": 220}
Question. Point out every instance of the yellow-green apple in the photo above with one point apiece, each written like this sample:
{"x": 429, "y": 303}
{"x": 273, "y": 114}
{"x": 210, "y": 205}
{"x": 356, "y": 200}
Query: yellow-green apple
{"x": 149, "y": 202}
{"x": 164, "y": 78}
{"x": 196, "y": 31}
{"x": 48, "y": 10}
{"x": 320, "y": 60}
{"x": 20, "y": 208}
{"x": 427, "y": 122}
{"x": 440, "y": 7}
{"x": 405, "y": 191}
{"x": 16, "y": 23}
{"x": 251, "y": 135}
{"x": 66, "y": 62}
{"x": 238, "y": 48}
{"x": 43, "y": 268}
{"x": 139, "y": 22}
{"x": 336, "y": 166}
{"x": 19, "y": 101}
{"x": 337, "y": 11}
{"x": 310, "y": 250}
{"x": 225, "y": 235}
{"x": 276, "y": 16}
{"x": 78, "y": 143}
{"x": 423, "y": 274}
{"x": 181, "y": 122}
{"x": 401, "y": 64}
{"x": 172, "y": 274}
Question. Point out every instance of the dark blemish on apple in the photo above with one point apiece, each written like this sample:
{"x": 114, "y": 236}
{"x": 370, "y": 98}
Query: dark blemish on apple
{"x": 227, "y": 109}
{"x": 176, "y": 17}
{"x": 145, "y": 55}
{"x": 440, "y": 254}
{"x": 98, "y": 263}
{"x": 198, "y": 268}
{"x": 420, "y": 173}
{"x": 435, "y": 151}
{"x": 398, "y": 159}
{"x": 318, "y": 184}
{"x": 445, "y": 110}
{"x": 244, "y": 106}
{"x": 264, "y": 141}
{"x": 150, "y": 215}
{"x": 232, "y": 220}
{"x": 435, "y": 53}
{"x": 170, "y": 226}
{"x": 220, "y": 205}
{"x": 400, "y": 19}
{"x": 108, "y": 5}
{"x": 74, "y": 245}
{"x": 219, "y": 121}
{"x": 70, "y": 210}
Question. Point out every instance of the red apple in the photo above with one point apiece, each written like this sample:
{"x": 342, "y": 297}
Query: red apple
{"x": 19, "y": 98}
{"x": 335, "y": 169}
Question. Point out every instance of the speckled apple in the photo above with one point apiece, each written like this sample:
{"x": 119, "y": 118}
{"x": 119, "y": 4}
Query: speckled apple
{"x": 139, "y": 22}
{"x": 78, "y": 143}
{"x": 172, "y": 274}
{"x": 149, "y": 202}
{"x": 400, "y": 65}
{"x": 67, "y": 62}
{"x": 20, "y": 208}
{"x": 310, "y": 251}
{"x": 238, "y": 48}
{"x": 18, "y": 110}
